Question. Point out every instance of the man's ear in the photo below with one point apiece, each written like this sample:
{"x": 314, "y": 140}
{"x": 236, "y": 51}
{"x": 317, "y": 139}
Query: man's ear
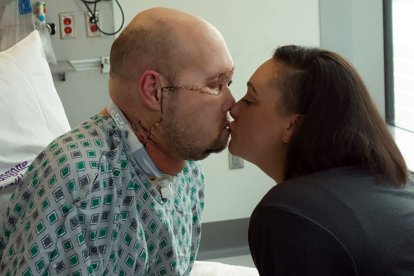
{"x": 293, "y": 122}
{"x": 150, "y": 89}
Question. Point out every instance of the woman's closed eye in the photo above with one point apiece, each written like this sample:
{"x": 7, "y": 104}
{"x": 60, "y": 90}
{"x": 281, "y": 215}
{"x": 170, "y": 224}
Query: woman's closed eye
{"x": 246, "y": 101}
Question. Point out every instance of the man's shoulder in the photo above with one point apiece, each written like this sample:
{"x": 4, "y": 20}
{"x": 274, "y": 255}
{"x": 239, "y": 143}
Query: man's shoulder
{"x": 86, "y": 138}
{"x": 74, "y": 155}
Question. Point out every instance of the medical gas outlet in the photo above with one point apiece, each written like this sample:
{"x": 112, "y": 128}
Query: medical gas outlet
{"x": 93, "y": 24}
{"x": 66, "y": 24}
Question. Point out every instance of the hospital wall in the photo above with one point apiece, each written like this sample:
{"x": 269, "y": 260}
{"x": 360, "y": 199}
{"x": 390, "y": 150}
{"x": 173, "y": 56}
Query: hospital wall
{"x": 83, "y": 93}
{"x": 354, "y": 28}
{"x": 253, "y": 29}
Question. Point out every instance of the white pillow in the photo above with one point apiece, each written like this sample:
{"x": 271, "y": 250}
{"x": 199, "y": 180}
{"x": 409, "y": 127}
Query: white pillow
{"x": 31, "y": 113}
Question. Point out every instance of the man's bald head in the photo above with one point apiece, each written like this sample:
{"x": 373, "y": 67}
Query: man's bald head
{"x": 161, "y": 39}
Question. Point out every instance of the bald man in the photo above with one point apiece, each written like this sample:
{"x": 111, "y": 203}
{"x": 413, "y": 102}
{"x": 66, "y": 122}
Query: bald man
{"x": 119, "y": 194}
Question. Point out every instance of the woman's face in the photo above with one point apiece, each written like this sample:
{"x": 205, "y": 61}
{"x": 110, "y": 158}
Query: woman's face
{"x": 260, "y": 131}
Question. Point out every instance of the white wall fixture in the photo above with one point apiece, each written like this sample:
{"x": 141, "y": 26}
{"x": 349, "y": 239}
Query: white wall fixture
{"x": 105, "y": 64}
{"x": 235, "y": 162}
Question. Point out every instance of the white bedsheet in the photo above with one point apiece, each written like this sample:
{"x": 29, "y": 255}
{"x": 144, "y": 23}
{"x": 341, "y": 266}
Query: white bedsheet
{"x": 203, "y": 268}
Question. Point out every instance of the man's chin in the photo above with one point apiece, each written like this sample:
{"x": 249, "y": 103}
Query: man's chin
{"x": 218, "y": 146}
{"x": 216, "y": 150}
{"x": 215, "y": 147}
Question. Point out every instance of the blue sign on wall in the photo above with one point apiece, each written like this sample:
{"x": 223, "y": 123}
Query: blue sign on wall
{"x": 24, "y": 7}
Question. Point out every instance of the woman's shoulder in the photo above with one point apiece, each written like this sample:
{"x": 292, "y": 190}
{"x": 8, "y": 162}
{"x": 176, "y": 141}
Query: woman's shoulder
{"x": 341, "y": 196}
{"x": 340, "y": 189}
{"x": 315, "y": 183}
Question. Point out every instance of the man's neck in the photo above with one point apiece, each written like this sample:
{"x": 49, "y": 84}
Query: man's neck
{"x": 164, "y": 162}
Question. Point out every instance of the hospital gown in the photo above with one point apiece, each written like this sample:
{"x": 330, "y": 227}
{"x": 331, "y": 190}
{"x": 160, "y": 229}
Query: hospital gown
{"x": 85, "y": 207}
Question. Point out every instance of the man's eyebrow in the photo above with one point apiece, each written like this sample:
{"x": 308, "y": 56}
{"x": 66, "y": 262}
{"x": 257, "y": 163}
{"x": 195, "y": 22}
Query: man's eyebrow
{"x": 224, "y": 74}
{"x": 250, "y": 85}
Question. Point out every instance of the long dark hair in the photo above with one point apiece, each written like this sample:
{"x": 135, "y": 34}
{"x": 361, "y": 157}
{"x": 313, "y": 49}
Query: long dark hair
{"x": 340, "y": 125}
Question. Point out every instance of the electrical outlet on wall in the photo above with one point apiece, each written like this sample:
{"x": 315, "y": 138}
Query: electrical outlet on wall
{"x": 93, "y": 24}
{"x": 67, "y": 25}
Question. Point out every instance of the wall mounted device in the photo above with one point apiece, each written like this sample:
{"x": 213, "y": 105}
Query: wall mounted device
{"x": 93, "y": 24}
{"x": 67, "y": 25}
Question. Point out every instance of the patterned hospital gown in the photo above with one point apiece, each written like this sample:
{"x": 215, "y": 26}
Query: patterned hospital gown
{"x": 85, "y": 208}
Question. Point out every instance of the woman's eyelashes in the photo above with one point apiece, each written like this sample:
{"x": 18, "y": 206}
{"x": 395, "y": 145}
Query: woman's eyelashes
{"x": 246, "y": 100}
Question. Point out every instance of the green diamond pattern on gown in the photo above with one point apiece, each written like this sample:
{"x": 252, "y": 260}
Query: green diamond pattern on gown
{"x": 84, "y": 207}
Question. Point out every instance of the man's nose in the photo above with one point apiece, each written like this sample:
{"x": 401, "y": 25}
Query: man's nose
{"x": 233, "y": 111}
{"x": 229, "y": 100}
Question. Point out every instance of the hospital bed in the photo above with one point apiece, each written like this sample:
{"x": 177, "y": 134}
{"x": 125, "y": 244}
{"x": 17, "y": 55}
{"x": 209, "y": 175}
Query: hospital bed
{"x": 32, "y": 115}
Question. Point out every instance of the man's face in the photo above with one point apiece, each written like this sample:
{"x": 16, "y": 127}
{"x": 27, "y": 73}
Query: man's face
{"x": 195, "y": 122}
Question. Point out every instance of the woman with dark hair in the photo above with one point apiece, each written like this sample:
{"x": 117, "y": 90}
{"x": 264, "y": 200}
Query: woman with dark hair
{"x": 344, "y": 204}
